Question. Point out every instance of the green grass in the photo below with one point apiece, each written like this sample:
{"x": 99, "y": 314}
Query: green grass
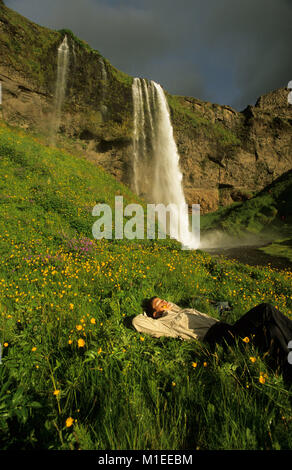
{"x": 281, "y": 247}
{"x": 121, "y": 389}
{"x": 268, "y": 210}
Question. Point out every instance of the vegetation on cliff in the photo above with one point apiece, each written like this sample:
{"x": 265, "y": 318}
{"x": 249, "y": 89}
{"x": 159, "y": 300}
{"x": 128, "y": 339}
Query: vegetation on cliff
{"x": 189, "y": 120}
{"x": 268, "y": 210}
{"x": 30, "y": 51}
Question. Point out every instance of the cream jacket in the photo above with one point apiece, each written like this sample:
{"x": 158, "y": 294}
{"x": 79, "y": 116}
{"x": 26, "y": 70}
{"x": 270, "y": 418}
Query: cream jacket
{"x": 187, "y": 323}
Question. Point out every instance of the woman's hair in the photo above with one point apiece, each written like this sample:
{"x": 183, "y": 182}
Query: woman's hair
{"x": 147, "y": 306}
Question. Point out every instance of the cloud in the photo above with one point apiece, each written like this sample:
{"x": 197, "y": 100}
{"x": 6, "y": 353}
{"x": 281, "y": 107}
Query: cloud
{"x": 257, "y": 39}
{"x": 229, "y": 52}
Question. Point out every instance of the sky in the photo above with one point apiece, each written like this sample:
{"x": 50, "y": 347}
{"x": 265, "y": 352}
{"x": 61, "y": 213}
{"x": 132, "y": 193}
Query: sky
{"x": 228, "y": 52}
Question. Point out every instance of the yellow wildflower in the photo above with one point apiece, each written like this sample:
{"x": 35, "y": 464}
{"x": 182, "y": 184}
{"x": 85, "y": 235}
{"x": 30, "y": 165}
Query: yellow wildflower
{"x": 69, "y": 422}
{"x": 252, "y": 359}
{"x": 194, "y": 364}
{"x": 93, "y": 321}
{"x": 56, "y": 392}
{"x": 81, "y": 343}
{"x": 71, "y": 306}
{"x": 5, "y": 345}
{"x": 33, "y": 349}
{"x": 246, "y": 339}
{"x": 79, "y": 327}
{"x": 262, "y": 379}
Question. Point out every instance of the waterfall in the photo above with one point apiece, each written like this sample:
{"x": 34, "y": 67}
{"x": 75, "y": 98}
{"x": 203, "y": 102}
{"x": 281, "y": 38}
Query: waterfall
{"x": 63, "y": 61}
{"x": 139, "y": 147}
{"x": 104, "y": 84}
{"x": 103, "y": 74}
{"x": 156, "y": 173}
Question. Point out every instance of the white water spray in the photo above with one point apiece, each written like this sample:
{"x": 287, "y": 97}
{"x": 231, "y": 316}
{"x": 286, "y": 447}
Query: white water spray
{"x": 156, "y": 172}
{"x": 63, "y": 61}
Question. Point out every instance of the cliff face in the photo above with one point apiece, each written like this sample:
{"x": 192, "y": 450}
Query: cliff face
{"x": 234, "y": 154}
{"x": 97, "y": 111}
{"x": 225, "y": 155}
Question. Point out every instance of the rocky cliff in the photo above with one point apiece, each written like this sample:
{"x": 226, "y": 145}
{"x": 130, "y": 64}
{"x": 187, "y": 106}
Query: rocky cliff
{"x": 229, "y": 155}
{"x": 225, "y": 155}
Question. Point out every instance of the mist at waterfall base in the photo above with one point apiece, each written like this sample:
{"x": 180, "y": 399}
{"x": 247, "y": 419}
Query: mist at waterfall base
{"x": 218, "y": 239}
{"x": 156, "y": 173}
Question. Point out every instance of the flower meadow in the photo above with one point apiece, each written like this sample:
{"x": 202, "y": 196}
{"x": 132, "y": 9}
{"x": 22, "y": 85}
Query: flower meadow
{"x": 74, "y": 373}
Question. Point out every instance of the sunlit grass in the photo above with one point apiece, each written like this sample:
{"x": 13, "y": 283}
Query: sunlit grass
{"x": 74, "y": 373}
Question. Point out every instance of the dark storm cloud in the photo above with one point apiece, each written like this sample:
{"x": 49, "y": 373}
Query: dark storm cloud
{"x": 257, "y": 38}
{"x": 225, "y": 51}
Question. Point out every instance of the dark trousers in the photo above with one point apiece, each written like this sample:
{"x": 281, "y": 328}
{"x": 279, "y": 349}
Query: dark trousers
{"x": 266, "y": 327}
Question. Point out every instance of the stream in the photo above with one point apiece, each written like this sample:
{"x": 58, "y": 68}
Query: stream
{"x": 252, "y": 256}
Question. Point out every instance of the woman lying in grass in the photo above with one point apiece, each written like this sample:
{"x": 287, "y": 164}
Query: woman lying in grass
{"x": 264, "y": 325}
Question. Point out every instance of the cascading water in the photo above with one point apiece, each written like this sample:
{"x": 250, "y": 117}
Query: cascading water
{"x": 139, "y": 147}
{"x": 104, "y": 84}
{"x": 103, "y": 77}
{"x": 63, "y": 61}
{"x": 156, "y": 172}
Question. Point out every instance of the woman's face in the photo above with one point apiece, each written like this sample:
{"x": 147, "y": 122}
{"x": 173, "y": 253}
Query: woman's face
{"x": 159, "y": 306}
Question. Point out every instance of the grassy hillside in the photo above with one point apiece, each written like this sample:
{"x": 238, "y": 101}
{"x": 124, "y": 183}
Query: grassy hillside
{"x": 271, "y": 207}
{"x": 74, "y": 374}
{"x": 267, "y": 215}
